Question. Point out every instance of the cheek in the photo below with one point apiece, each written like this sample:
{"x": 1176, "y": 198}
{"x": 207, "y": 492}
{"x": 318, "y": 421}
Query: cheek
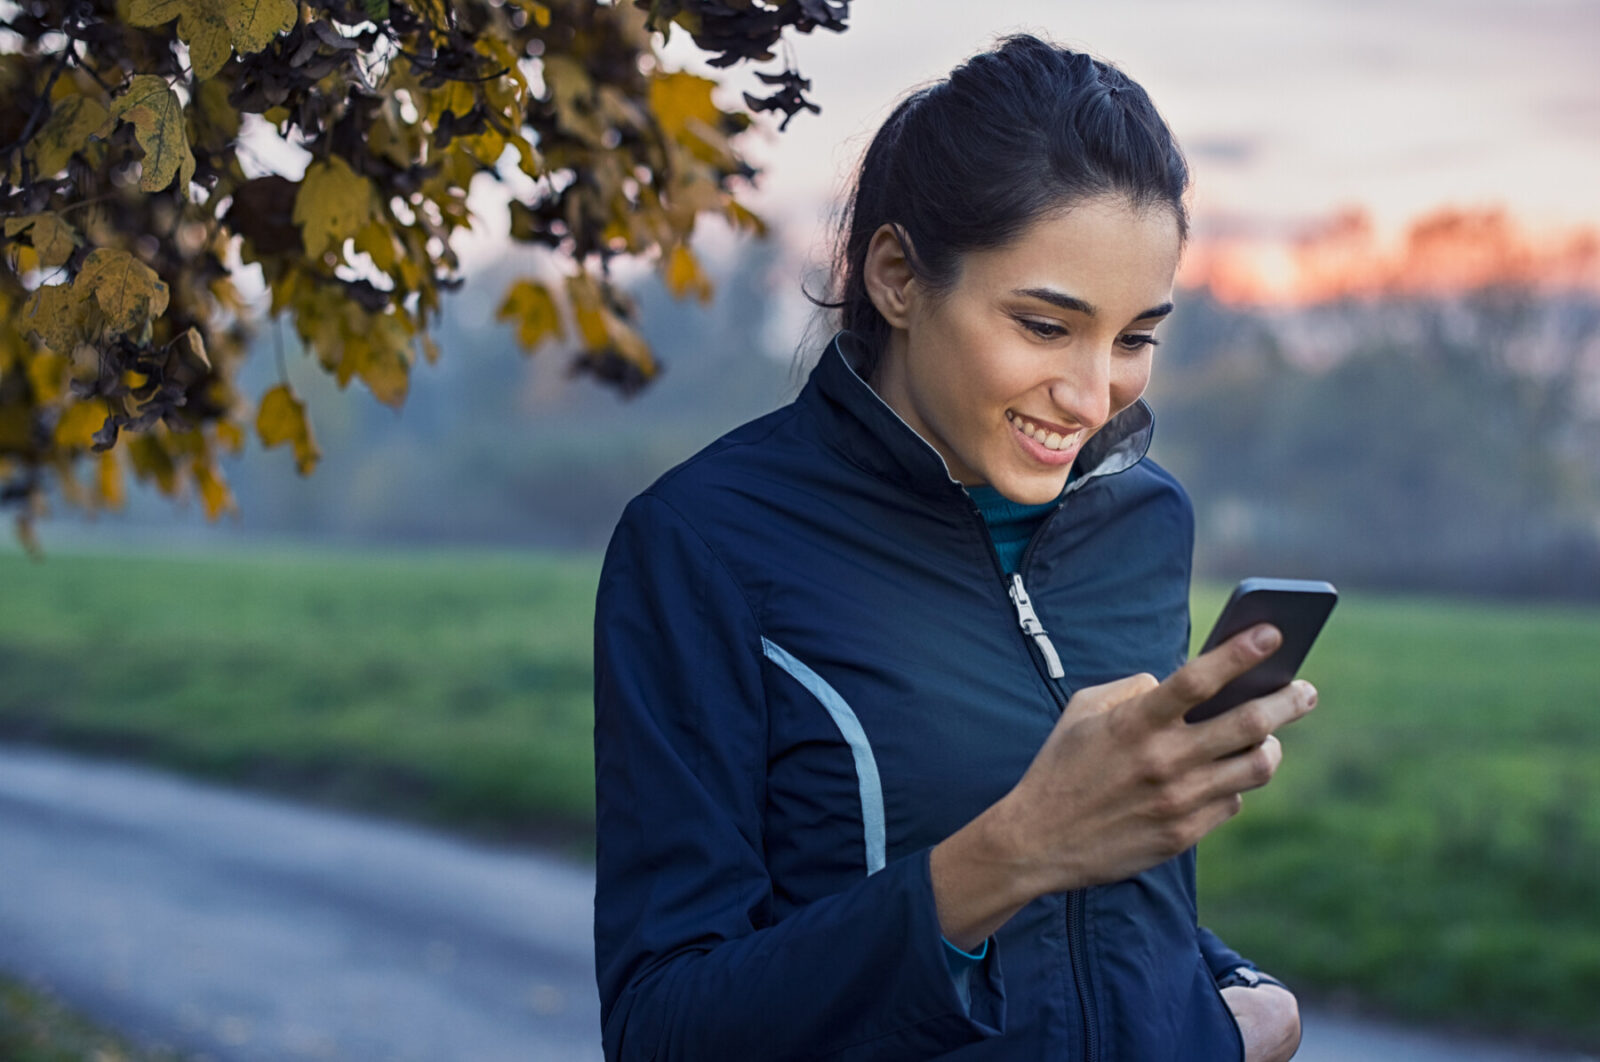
{"x": 1129, "y": 382}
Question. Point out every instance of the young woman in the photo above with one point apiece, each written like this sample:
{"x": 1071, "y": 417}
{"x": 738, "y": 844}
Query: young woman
{"x": 883, "y": 769}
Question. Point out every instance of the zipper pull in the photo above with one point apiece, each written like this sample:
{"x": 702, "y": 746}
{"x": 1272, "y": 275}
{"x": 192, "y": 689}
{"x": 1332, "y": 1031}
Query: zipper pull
{"x": 1029, "y": 619}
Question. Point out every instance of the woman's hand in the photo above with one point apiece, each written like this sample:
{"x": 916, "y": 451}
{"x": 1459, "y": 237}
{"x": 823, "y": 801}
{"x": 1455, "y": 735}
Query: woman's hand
{"x": 1269, "y": 1021}
{"x": 1121, "y": 784}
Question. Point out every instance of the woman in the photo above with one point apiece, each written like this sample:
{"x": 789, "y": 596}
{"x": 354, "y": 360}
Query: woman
{"x": 883, "y": 772}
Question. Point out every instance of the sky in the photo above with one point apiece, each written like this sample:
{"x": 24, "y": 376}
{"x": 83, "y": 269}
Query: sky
{"x": 1289, "y": 110}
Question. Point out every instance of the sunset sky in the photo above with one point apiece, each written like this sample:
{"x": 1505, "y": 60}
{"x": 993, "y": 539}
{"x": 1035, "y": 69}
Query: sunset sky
{"x": 1289, "y": 109}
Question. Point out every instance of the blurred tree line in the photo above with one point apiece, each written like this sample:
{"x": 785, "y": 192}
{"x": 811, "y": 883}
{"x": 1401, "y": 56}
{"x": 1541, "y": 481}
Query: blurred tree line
{"x": 1447, "y": 443}
{"x": 1406, "y": 441}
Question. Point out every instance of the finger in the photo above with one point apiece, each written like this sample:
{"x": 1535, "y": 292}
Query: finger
{"x": 1092, "y": 700}
{"x": 1249, "y": 769}
{"x": 1252, "y": 722}
{"x": 1202, "y": 677}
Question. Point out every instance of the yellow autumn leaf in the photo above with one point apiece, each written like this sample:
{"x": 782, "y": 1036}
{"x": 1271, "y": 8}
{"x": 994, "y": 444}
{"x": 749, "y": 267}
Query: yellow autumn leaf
{"x": 254, "y": 23}
{"x": 572, "y": 93}
{"x": 684, "y": 276}
{"x": 214, "y": 28}
{"x": 79, "y": 422}
{"x": 282, "y": 419}
{"x": 333, "y": 204}
{"x": 681, "y": 99}
{"x": 151, "y": 459}
{"x": 230, "y": 436}
{"x": 52, "y": 238}
{"x": 72, "y": 122}
{"x": 157, "y": 117}
{"x": 47, "y": 375}
{"x": 533, "y": 308}
{"x": 587, "y": 311}
{"x": 129, "y": 293}
{"x": 376, "y": 240}
{"x": 380, "y": 354}
{"x": 109, "y": 480}
{"x": 213, "y": 489}
{"x": 742, "y": 217}
{"x": 55, "y": 313}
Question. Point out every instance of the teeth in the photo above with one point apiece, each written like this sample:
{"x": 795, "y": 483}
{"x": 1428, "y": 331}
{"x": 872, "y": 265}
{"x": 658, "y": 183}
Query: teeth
{"x": 1048, "y": 439}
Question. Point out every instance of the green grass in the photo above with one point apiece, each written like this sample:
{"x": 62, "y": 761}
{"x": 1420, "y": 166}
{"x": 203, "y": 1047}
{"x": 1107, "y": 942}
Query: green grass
{"x": 1430, "y": 847}
{"x": 1432, "y": 840}
{"x": 455, "y": 689}
{"x": 36, "y": 1028}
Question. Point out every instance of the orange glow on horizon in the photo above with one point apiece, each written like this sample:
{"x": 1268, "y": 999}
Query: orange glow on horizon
{"x": 1446, "y": 252}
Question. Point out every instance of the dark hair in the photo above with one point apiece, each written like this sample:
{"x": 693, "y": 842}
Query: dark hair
{"x": 969, "y": 162}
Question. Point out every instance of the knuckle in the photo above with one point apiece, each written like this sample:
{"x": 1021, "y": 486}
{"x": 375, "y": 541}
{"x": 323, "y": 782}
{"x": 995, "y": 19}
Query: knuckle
{"x": 1188, "y": 685}
{"x": 1255, "y": 720}
{"x": 1155, "y": 766}
{"x": 1144, "y": 682}
{"x": 1168, "y": 804}
{"x": 1262, "y": 765}
{"x": 1177, "y": 837}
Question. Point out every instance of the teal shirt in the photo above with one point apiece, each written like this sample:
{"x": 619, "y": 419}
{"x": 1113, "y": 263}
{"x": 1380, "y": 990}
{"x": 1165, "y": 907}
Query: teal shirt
{"x": 1010, "y": 524}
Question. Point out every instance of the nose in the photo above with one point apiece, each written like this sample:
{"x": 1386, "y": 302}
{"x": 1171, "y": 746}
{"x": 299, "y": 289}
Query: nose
{"x": 1082, "y": 391}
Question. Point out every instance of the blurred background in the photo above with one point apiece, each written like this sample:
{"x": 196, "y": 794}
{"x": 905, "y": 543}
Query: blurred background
{"x": 1384, "y": 371}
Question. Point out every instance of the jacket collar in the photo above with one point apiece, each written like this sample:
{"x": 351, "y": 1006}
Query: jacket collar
{"x": 866, "y": 432}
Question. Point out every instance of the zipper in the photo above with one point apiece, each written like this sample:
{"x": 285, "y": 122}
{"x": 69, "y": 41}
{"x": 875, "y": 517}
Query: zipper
{"x": 1033, "y": 628}
{"x": 1080, "y": 975}
{"x": 1028, "y": 619}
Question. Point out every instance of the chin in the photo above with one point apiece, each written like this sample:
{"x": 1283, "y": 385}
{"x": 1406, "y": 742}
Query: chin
{"x": 1031, "y": 491}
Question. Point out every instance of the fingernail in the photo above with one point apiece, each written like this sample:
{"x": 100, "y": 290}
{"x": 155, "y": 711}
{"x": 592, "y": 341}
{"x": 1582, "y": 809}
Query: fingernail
{"x": 1308, "y": 693}
{"x": 1265, "y": 638}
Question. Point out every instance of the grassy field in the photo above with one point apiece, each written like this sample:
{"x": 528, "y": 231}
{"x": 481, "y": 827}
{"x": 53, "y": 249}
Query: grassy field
{"x": 453, "y": 689}
{"x": 1431, "y": 847}
{"x": 34, "y": 1027}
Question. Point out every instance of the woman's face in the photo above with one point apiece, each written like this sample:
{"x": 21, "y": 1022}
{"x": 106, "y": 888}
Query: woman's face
{"x": 1039, "y": 343}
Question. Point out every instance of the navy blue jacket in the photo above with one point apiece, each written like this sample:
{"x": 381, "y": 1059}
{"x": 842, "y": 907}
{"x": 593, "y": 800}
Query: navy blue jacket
{"x": 810, "y": 668}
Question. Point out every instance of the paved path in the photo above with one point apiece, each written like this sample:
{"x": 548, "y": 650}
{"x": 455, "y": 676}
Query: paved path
{"x": 251, "y": 929}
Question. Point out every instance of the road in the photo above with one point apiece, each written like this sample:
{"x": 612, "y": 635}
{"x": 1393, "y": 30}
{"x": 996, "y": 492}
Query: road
{"x": 244, "y": 928}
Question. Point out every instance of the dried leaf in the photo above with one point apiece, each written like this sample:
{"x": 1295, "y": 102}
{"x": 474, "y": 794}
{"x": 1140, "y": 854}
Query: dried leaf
{"x": 55, "y": 313}
{"x": 157, "y": 117}
{"x": 110, "y": 482}
{"x": 213, "y": 490}
{"x": 680, "y": 100}
{"x": 53, "y": 239}
{"x": 333, "y": 204}
{"x": 72, "y": 122}
{"x": 684, "y": 276}
{"x": 80, "y": 422}
{"x": 215, "y": 28}
{"x": 129, "y": 293}
{"x": 282, "y": 419}
{"x": 530, "y": 304}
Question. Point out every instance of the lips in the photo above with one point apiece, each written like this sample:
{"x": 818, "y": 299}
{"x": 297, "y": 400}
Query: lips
{"x": 1050, "y": 436}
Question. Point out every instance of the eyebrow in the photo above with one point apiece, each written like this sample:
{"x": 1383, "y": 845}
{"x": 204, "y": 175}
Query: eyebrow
{"x": 1072, "y": 302}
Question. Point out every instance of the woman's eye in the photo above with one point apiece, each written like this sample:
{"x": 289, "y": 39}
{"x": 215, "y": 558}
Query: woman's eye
{"x": 1042, "y": 329}
{"x": 1138, "y": 341}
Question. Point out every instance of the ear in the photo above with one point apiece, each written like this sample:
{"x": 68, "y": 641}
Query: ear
{"x": 888, "y": 275}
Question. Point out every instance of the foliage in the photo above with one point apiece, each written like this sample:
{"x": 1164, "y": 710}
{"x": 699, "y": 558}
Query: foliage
{"x": 139, "y": 159}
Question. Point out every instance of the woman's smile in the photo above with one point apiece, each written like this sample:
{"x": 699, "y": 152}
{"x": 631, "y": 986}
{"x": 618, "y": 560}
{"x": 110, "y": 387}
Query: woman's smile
{"x": 1046, "y": 443}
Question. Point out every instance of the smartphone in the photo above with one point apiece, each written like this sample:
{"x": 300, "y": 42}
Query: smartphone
{"x": 1297, "y": 607}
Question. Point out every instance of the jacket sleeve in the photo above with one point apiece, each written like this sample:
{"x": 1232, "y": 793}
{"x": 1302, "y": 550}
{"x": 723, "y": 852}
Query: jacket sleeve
{"x": 1219, "y": 957}
{"x": 690, "y": 961}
